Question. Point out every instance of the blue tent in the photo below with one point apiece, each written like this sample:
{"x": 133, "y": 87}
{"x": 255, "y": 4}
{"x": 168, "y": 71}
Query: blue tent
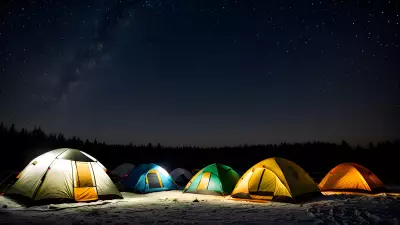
{"x": 146, "y": 178}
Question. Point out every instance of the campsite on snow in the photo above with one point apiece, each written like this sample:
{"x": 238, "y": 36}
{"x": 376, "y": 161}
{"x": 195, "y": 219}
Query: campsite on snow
{"x": 69, "y": 186}
{"x": 206, "y": 112}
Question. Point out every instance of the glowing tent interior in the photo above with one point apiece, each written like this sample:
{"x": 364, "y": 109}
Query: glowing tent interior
{"x": 215, "y": 179}
{"x": 146, "y": 178}
{"x": 351, "y": 177}
{"x": 65, "y": 175}
{"x": 276, "y": 179}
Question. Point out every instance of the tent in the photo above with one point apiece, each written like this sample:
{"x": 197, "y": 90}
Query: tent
{"x": 146, "y": 178}
{"x": 63, "y": 174}
{"x": 353, "y": 178}
{"x": 123, "y": 170}
{"x": 181, "y": 176}
{"x": 276, "y": 179}
{"x": 215, "y": 179}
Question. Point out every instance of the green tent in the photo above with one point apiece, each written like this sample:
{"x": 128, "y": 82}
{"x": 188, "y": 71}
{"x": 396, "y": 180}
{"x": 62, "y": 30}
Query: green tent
{"x": 215, "y": 179}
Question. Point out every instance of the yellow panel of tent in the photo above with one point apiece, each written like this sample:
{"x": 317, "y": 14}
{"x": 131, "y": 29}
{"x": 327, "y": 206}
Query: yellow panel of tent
{"x": 85, "y": 189}
{"x": 205, "y": 179}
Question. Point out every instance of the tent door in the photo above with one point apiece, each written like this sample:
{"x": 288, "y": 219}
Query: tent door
{"x": 205, "y": 179}
{"x": 262, "y": 183}
{"x": 153, "y": 179}
{"x": 85, "y": 189}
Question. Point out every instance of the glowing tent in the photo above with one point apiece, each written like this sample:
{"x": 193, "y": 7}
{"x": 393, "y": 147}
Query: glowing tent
{"x": 351, "y": 177}
{"x": 276, "y": 179}
{"x": 123, "y": 170}
{"x": 215, "y": 179}
{"x": 181, "y": 176}
{"x": 146, "y": 178}
{"x": 64, "y": 174}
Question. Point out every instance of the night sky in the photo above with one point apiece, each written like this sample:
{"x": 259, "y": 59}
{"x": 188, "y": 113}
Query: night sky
{"x": 202, "y": 72}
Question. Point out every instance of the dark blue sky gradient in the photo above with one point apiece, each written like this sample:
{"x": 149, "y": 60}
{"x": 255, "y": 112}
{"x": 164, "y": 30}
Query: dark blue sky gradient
{"x": 207, "y": 72}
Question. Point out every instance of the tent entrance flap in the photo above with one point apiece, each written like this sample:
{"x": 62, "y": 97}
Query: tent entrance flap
{"x": 85, "y": 189}
{"x": 262, "y": 183}
{"x": 153, "y": 179}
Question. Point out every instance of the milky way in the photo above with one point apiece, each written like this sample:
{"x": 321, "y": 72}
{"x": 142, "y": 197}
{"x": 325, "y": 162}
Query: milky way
{"x": 111, "y": 15}
{"x": 209, "y": 72}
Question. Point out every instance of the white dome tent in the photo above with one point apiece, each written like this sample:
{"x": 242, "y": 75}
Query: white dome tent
{"x": 64, "y": 174}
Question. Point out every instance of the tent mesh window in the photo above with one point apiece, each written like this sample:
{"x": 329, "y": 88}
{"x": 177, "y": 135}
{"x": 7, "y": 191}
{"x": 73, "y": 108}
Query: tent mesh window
{"x": 153, "y": 180}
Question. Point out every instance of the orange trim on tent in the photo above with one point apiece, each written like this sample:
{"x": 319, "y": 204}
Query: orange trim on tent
{"x": 85, "y": 194}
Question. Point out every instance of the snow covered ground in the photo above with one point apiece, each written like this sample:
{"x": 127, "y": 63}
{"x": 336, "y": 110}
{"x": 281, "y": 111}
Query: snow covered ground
{"x": 173, "y": 207}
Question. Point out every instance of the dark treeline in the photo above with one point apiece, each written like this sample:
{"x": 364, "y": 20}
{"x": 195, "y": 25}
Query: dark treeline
{"x": 19, "y": 147}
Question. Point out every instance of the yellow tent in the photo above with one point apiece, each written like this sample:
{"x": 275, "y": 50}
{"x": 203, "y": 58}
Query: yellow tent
{"x": 351, "y": 177}
{"x": 276, "y": 179}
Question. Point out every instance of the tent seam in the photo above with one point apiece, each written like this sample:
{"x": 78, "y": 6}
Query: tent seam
{"x": 284, "y": 176}
{"x": 365, "y": 183}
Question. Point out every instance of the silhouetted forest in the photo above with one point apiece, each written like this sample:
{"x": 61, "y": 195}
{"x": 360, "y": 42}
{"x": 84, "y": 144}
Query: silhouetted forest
{"x": 19, "y": 147}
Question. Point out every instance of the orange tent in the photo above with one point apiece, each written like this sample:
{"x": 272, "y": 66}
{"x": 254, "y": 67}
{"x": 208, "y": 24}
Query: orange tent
{"x": 351, "y": 177}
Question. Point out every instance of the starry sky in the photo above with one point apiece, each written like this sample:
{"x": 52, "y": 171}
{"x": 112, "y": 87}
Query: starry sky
{"x": 202, "y": 72}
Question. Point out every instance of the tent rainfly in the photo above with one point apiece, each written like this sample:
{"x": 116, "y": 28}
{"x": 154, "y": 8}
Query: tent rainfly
{"x": 64, "y": 175}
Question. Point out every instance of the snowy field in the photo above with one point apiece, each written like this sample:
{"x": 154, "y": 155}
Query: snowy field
{"x": 173, "y": 207}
